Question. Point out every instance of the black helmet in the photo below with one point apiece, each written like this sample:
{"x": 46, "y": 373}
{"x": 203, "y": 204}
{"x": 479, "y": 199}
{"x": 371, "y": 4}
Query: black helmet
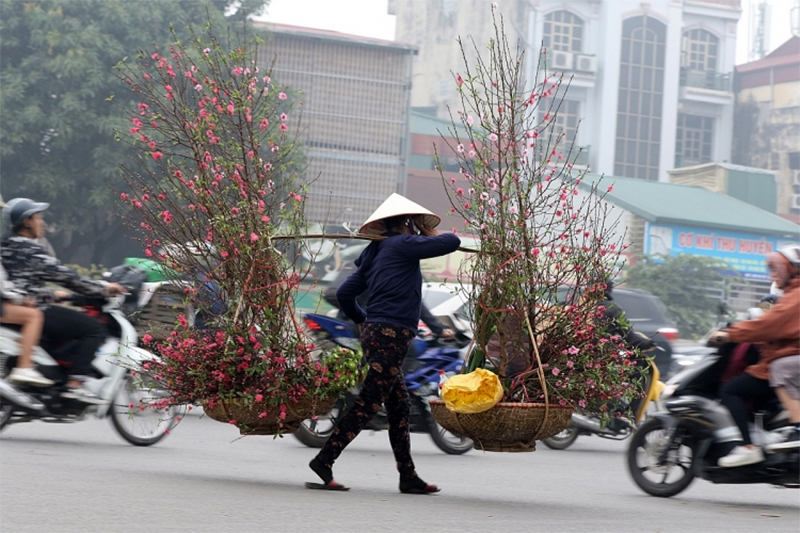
{"x": 17, "y": 210}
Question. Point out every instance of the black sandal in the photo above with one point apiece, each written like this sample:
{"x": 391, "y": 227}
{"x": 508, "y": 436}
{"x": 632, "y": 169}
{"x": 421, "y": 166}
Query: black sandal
{"x": 417, "y": 486}
{"x": 326, "y": 475}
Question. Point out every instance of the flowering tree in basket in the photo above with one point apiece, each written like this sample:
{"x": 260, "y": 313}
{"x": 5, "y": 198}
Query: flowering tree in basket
{"x": 216, "y": 181}
{"x": 546, "y": 247}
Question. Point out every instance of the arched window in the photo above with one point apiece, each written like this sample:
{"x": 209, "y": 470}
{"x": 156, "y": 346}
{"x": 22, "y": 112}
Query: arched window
{"x": 641, "y": 88}
{"x": 699, "y": 50}
{"x": 563, "y": 31}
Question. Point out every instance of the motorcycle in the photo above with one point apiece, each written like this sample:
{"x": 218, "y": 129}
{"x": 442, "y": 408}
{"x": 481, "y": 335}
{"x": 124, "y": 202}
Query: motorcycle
{"x": 588, "y": 422}
{"x": 129, "y": 396}
{"x": 421, "y": 370}
{"x": 687, "y": 439}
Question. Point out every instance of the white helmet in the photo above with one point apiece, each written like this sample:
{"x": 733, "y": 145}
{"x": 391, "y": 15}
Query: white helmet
{"x": 792, "y": 253}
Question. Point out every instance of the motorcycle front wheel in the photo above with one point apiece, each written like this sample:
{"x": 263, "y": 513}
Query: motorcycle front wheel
{"x": 563, "y": 440}
{"x": 132, "y": 417}
{"x": 314, "y": 433}
{"x": 654, "y": 471}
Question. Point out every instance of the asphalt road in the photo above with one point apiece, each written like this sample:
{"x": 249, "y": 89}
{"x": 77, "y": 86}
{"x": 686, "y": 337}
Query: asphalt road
{"x": 84, "y": 478}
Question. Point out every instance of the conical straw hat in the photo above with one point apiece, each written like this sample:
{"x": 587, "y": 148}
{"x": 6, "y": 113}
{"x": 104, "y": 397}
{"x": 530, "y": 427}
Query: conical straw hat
{"x": 393, "y": 206}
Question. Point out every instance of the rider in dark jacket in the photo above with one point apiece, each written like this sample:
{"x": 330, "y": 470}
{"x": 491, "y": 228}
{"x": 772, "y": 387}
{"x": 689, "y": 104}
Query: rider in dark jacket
{"x": 31, "y": 269}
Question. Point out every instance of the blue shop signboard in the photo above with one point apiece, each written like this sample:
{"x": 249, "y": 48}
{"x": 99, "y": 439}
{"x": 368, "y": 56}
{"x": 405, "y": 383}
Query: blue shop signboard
{"x": 745, "y": 253}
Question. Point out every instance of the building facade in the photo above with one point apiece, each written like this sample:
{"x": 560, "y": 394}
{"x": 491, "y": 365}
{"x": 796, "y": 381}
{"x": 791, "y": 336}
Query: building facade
{"x": 354, "y": 114}
{"x": 650, "y": 80}
{"x": 768, "y": 96}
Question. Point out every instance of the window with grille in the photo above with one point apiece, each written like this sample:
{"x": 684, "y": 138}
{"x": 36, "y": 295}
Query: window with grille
{"x": 641, "y": 88}
{"x": 693, "y": 140}
{"x": 699, "y": 51}
{"x": 567, "y": 116}
{"x": 563, "y": 31}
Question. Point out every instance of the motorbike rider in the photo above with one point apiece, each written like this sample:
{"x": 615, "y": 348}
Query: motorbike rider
{"x": 778, "y": 332}
{"x": 30, "y": 268}
{"x": 19, "y": 309}
{"x": 784, "y": 377}
{"x": 616, "y": 325}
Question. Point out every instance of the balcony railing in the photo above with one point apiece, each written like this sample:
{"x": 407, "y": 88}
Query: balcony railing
{"x": 706, "y": 79}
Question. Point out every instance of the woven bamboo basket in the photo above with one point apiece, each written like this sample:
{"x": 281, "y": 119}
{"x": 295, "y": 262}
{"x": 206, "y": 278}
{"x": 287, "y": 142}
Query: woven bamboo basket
{"x": 506, "y": 427}
{"x": 248, "y": 420}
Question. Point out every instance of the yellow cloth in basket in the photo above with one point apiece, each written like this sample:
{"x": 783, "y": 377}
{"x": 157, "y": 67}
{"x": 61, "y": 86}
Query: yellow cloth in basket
{"x": 475, "y": 392}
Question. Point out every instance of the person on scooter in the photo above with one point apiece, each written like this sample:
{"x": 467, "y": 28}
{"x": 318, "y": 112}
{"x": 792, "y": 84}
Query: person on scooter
{"x": 778, "y": 332}
{"x": 616, "y": 324}
{"x": 784, "y": 374}
{"x": 30, "y": 268}
{"x": 390, "y": 270}
{"x": 19, "y": 309}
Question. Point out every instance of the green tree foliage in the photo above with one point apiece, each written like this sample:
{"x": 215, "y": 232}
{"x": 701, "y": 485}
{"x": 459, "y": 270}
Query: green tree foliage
{"x": 681, "y": 282}
{"x": 57, "y": 114}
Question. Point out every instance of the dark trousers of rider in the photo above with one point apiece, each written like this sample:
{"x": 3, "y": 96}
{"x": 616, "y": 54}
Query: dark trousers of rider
{"x": 737, "y": 391}
{"x": 385, "y": 347}
{"x": 67, "y": 324}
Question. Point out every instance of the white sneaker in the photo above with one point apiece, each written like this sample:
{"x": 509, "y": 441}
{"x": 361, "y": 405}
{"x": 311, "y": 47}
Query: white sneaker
{"x": 29, "y": 376}
{"x": 792, "y": 442}
{"x": 82, "y": 394}
{"x": 741, "y": 456}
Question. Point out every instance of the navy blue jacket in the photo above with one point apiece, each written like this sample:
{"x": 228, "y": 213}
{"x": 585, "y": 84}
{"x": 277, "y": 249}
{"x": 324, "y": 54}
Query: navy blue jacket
{"x": 389, "y": 269}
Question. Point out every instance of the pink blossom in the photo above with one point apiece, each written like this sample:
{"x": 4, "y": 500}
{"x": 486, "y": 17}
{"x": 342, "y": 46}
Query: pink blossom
{"x": 264, "y": 124}
{"x": 459, "y": 80}
{"x": 470, "y": 120}
{"x": 282, "y": 96}
{"x": 492, "y": 137}
{"x": 206, "y": 51}
{"x": 610, "y": 188}
{"x": 157, "y": 155}
{"x": 556, "y": 371}
{"x": 284, "y": 117}
{"x": 460, "y": 191}
{"x": 253, "y": 237}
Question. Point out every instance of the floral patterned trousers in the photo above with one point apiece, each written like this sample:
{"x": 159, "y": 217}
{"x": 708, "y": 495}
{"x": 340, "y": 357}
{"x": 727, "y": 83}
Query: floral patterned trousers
{"x": 385, "y": 347}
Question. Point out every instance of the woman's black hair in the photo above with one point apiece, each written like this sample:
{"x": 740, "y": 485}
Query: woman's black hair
{"x": 393, "y": 222}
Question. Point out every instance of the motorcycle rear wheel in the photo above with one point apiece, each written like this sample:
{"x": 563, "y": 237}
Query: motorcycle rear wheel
{"x": 140, "y": 426}
{"x": 314, "y": 433}
{"x": 644, "y": 466}
{"x": 449, "y": 443}
{"x": 563, "y": 440}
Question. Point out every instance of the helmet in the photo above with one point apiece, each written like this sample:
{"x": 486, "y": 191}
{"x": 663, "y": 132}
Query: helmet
{"x": 17, "y": 210}
{"x": 790, "y": 252}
